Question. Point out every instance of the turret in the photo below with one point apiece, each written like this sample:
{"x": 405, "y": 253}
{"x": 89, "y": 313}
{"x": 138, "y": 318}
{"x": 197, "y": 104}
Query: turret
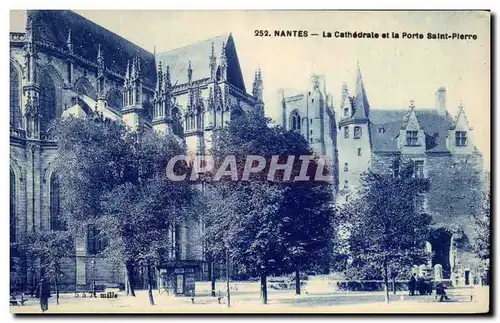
{"x": 353, "y": 137}
{"x": 132, "y": 93}
{"x": 257, "y": 90}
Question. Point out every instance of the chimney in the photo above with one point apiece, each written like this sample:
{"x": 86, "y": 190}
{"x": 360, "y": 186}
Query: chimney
{"x": 441, "y": 101}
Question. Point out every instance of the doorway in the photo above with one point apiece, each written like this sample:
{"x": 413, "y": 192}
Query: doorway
{"x": 179, "y": 287}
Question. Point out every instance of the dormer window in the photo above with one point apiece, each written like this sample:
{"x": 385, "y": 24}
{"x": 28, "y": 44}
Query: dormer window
{"x": 412, "y": 138}
{"x": 346, "y": 112}
{"x": 461, "y": 138}
{"x": 346, "y": 167}
{"x": 381, "y": 130}
{"x": 346, "y": 132}
{"x": 357, "y": 132}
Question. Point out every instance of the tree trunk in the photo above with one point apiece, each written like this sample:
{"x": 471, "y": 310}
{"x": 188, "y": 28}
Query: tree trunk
{"x": 150, "y": 286}
{"x": 227, "y": 280}
{"x": 130, "y": 277}
{"x": 386, "y": 285}
{"x": 263, "y": 287}
{"x": 212, "y": 277}
{"x": 394, "y": 285}
{"x": 297, "y": 281}
{"x": 56, "y": 283}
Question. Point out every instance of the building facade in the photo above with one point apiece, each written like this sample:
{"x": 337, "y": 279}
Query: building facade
{"x": 441, "y": 148}
{"x": 64, "y": 64}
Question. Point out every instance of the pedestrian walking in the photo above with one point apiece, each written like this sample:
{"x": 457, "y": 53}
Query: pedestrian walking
{"x": 43, "y": 293}
{"x": 412, "y": 284}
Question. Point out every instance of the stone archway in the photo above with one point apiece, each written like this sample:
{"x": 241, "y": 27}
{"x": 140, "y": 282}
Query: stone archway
{"x": 440, "y": 239}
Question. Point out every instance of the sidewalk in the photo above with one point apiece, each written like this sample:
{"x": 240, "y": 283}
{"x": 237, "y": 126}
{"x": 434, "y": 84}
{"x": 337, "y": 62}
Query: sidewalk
{"x": 247, "y": 301}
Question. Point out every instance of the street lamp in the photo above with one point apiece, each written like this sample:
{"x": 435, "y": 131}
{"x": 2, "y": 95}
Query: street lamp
{"x": 93, "y": 277}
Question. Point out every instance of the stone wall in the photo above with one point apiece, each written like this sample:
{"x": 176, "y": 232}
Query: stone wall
{"x": 454, "y": 198}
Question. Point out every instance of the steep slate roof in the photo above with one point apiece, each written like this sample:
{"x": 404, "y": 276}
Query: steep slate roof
{"x": 86, "y": 36}
{"x": 198, "y": 54}
{"x": 361, "y": 105}
{"x": 435, "y": 126}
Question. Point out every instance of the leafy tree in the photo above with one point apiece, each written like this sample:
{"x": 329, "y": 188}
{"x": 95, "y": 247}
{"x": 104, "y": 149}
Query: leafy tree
{"x": 266, "y": 227}
{"x": 481, "y": 239}
{"x": 482, "y": 233}
{"x": 386, "y": 231}
{"x": 49, "y": 248}
{"x": 115, "y": 179}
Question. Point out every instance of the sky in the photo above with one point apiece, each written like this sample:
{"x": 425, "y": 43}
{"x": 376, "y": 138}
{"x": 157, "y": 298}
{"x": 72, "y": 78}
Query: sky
{"x": 395, "y": 71}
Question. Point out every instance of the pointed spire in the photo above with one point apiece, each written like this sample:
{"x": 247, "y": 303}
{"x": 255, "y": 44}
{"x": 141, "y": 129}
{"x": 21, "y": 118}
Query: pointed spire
{"x": 168, "y": 81}
{"x": 69, "y": 44}
{"x": 257, "y": 85}
{"x": 361, "y": 101}
{"x": 159, "y": 78}
{"x": 190, "y": 73}
{"x": 127, "y": 75}
{"x": 99, "y": 52}
{"x": 223, "y": 62}
{"x": 137, "y": 65}
{"x": 213, "y": 63}
{"x": 100, "y": 61}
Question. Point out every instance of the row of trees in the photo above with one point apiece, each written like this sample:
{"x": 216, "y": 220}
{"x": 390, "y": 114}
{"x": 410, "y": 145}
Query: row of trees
{"x": 114, "y": 179}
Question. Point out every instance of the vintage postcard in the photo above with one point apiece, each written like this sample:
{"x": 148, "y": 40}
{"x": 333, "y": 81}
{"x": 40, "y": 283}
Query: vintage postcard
{"x": 249, "y": 161}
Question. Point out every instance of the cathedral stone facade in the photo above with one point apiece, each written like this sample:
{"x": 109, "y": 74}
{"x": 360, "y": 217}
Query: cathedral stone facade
{"x": 64, "y": 64}
{"x": 356, "y": 138}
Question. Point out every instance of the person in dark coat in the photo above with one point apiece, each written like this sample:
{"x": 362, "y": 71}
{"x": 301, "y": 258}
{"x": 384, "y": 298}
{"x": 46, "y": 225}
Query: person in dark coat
{"x": 412, "y": 284}
{"x": 43, "y": 293}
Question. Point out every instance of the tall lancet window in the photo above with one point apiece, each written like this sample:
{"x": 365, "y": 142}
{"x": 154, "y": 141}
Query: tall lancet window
{"x": 47, "y": 101}
{"x": 15, "y": 99}
{"x": 295, "y": 120}
{"x": 56, "y": 222}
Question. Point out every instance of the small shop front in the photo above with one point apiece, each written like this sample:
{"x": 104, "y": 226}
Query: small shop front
{"x": 178, "y": 278}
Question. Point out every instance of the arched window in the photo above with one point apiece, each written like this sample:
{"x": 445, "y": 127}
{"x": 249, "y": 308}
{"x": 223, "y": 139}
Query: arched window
{"x": 176, "y": 122}
{"x": 56, "y": 222}
{"x": 295, "y": 120}
{"x": 12, "y": 206}
{"x": 115, "y": 100}
{"x": 199, "y": 119}
{"x": 47, "y": 101}
{"x": 15, "y": 103}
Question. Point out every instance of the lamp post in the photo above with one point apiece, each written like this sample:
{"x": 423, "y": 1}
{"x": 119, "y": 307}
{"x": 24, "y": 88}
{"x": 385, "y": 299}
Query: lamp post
{"x": 93, "y": 278}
